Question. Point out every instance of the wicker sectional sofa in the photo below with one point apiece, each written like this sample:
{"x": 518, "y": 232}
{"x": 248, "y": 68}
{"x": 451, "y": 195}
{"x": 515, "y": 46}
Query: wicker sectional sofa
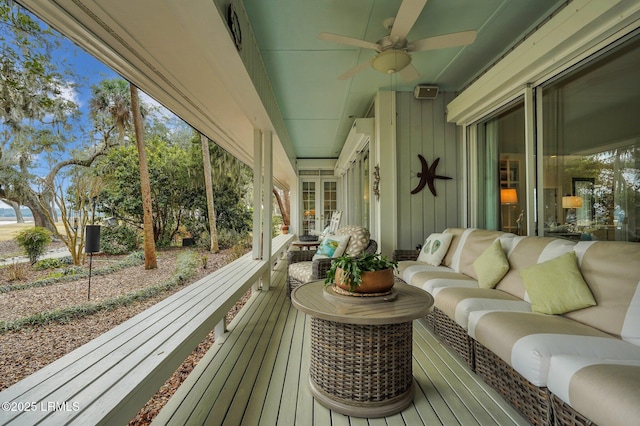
{"x": 579, "y": 367}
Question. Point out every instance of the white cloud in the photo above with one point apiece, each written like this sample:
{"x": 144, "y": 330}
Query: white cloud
{"x": 70, "y": 93}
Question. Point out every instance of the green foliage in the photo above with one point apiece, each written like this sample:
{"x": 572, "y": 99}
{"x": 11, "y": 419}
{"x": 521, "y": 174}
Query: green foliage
{"x": 170, "y": 190}
{"x": 354, "y": 267}
{"x": 35, "y": 115}
{"x": 32, "y": 77}
{"x": 228, "y": 238}
{"x": 34, "y": 242}
{"x": 177, "y": 185}
{"x": 240, "y": 248}
{"x": 118, "y": 239}
{"x": 76, "y": 273}
{"x": 44, "y": 264}
{"x": 186, "y": 266}
{"x": 276, "y": 222}
{"x": 52, "y": 263}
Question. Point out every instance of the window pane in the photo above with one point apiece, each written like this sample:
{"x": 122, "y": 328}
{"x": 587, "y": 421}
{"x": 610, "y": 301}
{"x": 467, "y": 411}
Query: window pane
{"x": 501, "y": 166}
{"x": 591, "y": 150}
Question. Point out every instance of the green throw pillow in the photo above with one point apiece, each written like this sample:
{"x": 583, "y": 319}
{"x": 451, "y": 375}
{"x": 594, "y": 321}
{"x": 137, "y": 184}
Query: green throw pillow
{"x": 491, "y": 265}
{"x": 556, "y": 286}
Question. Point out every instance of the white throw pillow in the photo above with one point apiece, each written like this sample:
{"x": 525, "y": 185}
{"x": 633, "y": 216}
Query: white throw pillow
{"x": 435, "y": 248}
{"x": 332, "y": 246}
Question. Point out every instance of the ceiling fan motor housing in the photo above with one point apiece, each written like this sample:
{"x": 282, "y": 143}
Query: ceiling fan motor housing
{"x": 390, "y": 61}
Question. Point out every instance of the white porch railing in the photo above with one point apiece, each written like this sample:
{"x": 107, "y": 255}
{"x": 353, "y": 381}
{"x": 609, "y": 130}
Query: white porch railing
{"x": 110, "y": 378}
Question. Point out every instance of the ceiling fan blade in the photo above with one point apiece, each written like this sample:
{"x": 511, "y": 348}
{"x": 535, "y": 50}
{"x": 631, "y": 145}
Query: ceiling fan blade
{"x": 443, "y": 41}
{"x": 409, "y": 73}
{"x": 350, "y": 73}
{"x": 406, "y": 17}
{"x": 337, "y": 38}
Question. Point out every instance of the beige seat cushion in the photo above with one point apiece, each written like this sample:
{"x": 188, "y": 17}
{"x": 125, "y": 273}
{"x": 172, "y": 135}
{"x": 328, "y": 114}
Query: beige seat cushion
{"x": 605, "y": 391}
{"x": 527, "y": 341}
{"x": 459, "y": 302}
{"x": 301, "y": 271}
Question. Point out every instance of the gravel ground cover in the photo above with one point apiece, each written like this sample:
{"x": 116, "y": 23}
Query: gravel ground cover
{"x": 32, "y": 347}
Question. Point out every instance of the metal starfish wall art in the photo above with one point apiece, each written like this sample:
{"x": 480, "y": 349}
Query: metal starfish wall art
{"x": 427, "y": 176}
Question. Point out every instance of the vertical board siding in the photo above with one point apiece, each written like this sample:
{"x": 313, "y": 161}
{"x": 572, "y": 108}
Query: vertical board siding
{"x": 423, "y": 129}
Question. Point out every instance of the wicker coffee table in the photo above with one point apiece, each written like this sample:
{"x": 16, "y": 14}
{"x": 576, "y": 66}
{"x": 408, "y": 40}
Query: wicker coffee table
{"x": 361, "y": 358}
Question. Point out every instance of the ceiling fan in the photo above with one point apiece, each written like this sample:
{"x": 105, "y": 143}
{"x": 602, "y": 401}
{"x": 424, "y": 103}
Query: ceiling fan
{"x": 394, "y": 49}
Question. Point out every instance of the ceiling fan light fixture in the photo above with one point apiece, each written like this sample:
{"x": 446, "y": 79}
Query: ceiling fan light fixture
{"x": 391, "y": 61}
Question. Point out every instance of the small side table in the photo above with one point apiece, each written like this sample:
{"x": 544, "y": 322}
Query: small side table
{"x": 308, "y": 245}
{"x": 361, "y": 348}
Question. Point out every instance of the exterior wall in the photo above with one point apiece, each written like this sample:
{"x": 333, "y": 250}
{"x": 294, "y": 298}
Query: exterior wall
{"x": 422, "y": 128}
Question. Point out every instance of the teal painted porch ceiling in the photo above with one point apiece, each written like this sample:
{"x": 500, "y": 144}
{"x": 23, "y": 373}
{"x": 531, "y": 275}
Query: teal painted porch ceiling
{"x": 318, "y": 109}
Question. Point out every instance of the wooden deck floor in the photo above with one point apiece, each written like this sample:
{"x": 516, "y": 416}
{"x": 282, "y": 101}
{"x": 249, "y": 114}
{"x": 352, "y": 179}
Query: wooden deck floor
{"x": 259, "y": 376}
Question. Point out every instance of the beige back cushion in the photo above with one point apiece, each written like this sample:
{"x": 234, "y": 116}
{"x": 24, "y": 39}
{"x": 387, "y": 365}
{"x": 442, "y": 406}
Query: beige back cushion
{"x": 611, "y": 269}
{"x": 453, "y": 246}
{"x": 473, "y": 244}
{"x": 526, "y": 252}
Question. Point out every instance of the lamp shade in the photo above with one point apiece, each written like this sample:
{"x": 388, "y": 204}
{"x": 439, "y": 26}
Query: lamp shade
{"x": 571, "y": 202}
{"x": 390, "y": 61}
{"x": 508, "y": 196}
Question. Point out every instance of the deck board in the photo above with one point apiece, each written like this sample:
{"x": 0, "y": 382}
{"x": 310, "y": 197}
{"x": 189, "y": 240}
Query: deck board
{"x": 259, "y": 376}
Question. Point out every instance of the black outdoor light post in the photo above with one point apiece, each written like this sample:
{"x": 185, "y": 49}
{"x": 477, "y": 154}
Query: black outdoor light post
{"x": 92, "y": 242}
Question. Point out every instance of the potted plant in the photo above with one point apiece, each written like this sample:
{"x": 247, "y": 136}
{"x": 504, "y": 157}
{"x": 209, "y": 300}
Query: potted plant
{"x": 367, "y": 273}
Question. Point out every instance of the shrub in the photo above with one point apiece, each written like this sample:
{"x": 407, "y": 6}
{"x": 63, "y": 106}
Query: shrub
{"x": 240, "y": 248}
{"x": 228, "y": 238}
{"x": 15, "y": 271}
{"x": 50, "y": 263}
{"x": 118, "y": 239}
{"x": 34, "y": 242}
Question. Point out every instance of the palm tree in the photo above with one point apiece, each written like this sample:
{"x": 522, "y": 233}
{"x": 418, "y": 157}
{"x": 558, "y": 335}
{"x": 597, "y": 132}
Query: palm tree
{"x": 112, "y": 98}
{"x": 121, "y": 105}
{"x": 150, "y": 261}
{"x": 206, "y": 161}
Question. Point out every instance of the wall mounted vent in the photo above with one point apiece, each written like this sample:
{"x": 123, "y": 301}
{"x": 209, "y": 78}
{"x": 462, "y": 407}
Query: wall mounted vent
{"x": 425, "y": 92}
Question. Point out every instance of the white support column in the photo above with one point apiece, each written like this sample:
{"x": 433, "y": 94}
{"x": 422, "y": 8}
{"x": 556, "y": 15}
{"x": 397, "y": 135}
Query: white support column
{"x": 538, "y": 227}
{"x": 257, "y": 200}
{"x": 267, "y": 205}
{"x": 257, "y": 193}
{"x": 220, "y": 330}
{"x": 387, "y": 207}
{"x": 530, "y": 161}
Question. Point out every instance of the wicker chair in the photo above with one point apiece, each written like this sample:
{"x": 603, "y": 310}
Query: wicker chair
{"x": 319, "y": 267}
{"x": 400, "y": 254}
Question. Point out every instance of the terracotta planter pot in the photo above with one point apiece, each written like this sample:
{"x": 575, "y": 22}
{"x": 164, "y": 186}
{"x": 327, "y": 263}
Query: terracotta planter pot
{"x": 372, "y": 282}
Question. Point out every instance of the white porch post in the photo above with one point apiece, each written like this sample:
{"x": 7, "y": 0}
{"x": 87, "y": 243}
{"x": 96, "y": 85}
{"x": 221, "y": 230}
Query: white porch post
{"x": 257, "y": 193}
{"x": 257, "y": 199}
{"x": 386, "y": 212}
{"x": 267, "y": 205}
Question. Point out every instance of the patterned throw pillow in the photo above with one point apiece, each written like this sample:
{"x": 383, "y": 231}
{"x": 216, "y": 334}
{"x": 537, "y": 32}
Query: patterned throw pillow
{"x": 332, "y": 246}
{"x": 359, "y": 238}
{"x": 435, "y": 248}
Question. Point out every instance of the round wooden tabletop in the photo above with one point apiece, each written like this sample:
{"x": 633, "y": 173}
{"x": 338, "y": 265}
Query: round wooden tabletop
{"x": 406, "y": 303}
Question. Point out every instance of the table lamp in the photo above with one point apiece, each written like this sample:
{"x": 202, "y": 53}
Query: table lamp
{"x": 571, "y": 202}
{"x": 508, "y": 196}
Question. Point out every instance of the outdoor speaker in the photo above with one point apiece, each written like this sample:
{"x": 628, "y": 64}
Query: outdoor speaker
{"x": 92, "y": 239}
{"x": 425, "y": 92}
